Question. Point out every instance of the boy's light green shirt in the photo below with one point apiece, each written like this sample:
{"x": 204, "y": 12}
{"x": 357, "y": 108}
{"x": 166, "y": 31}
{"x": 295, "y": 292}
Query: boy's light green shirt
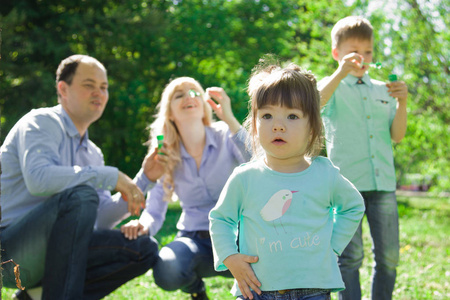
{"x": 357, "y": 121}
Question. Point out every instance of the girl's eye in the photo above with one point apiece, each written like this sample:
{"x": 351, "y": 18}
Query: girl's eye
{"x": 179, "y": 96}
{"x": 293, "y": 117}
{"x": 267, "y": 116}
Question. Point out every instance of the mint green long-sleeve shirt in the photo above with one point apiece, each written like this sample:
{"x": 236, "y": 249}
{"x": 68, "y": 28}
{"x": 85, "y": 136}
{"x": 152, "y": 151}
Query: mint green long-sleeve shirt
{"x": 357, "y": 121}
{"x": 296, "y": 223}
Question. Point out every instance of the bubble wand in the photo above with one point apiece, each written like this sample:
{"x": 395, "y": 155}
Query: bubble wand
{"x": 193, "y": 93}
{"x": 376, "y": 65}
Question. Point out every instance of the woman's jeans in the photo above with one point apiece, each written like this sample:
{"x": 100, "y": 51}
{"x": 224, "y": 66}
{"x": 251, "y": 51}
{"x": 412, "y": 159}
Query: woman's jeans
{"x": 184, "y": 262}
{"x": 382, "y": 216}
{"x": 56, "y": 247}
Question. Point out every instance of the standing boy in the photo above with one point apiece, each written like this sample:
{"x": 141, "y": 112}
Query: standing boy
{"x": 361, "y": 116}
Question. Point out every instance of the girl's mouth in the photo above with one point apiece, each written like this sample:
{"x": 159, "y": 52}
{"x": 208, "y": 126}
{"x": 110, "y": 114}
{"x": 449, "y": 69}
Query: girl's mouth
{"x": 278, "y": 141}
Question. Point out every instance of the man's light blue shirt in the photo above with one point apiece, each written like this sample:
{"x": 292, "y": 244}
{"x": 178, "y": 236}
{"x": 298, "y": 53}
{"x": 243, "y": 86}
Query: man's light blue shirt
{"x": 44, "y": 154}
{"x": 198, "y": 189}
{"x": 357, "y": 121}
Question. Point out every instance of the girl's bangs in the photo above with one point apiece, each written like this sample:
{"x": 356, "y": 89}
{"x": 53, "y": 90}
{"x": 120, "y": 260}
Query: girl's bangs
{"x": 281, "y": 94}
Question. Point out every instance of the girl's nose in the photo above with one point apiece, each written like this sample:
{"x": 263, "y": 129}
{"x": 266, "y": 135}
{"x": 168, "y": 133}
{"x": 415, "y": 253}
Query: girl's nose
{"x": 278, "y": 127}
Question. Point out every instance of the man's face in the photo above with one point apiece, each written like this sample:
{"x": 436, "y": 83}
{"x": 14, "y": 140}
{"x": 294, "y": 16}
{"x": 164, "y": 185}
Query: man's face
{"x": 359, "y": 46}
{"x": 86, "y": 97}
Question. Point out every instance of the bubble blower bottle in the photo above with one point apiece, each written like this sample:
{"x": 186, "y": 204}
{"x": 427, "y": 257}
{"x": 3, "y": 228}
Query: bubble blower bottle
{"x": 392, "y": 77}
{"x": 160, "y": 139}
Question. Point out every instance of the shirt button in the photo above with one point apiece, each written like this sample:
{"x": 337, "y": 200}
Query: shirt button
{"x": 365, "y": 98}
{"x": 109, "y": 188}
{"x": 100, "y": 186}
{"x": 373, "y": 156}
{"x": 368, "y": 117}
{"x": 371, "y": 136}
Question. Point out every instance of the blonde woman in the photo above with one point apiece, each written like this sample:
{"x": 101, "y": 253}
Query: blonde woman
{"x": 201, "y": 154}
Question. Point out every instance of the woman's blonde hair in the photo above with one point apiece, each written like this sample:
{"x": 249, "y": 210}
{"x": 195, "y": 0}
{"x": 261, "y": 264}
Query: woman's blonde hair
{"x": 163, "y": 125}
{"x": 291, "y": 87}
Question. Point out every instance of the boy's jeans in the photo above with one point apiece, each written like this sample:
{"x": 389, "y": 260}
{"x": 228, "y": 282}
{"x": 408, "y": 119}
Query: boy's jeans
{"x": 57, "y": 248}
{"x": 185, "y": 261}
{"x": 382, "y": 216}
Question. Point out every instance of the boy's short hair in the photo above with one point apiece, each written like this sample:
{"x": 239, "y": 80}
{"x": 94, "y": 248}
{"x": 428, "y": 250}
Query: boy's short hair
{"x": 351, "y": 27}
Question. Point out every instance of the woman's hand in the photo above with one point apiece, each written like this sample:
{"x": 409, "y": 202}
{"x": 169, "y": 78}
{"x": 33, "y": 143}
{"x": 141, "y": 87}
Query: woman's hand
{"x": 154, "y": 164}
{"x": 133, "y": 229}
{"x": 223, "y": 107}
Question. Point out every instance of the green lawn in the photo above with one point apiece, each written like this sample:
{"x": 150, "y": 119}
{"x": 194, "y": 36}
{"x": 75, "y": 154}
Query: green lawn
{"x": 423, "y": 273}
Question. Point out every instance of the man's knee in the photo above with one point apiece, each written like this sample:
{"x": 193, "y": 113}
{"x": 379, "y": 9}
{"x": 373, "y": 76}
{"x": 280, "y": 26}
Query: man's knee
{"x": 148, "y": 247}
{"x": 79, "y": 197}
{"x": 84, "y": 194}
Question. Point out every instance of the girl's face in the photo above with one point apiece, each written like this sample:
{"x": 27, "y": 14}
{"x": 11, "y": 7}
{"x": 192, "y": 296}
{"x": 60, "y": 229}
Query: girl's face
{"x": 186, "y": 103}
{"x": 283, "y": 133}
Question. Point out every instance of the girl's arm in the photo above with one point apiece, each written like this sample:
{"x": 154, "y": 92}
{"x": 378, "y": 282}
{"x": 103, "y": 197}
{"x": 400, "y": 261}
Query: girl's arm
{"x": 224, "y": 220}
{"x": 349, "y": 210}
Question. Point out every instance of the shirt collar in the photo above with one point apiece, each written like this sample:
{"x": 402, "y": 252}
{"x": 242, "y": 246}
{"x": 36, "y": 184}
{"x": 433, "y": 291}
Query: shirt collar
{"x": 70, "y": 128}
{"x": 210, "y": 142}
{"x": 351, "y": 80}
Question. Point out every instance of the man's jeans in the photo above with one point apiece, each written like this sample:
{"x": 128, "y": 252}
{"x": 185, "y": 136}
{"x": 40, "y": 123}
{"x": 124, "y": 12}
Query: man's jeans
{"x": 185, "y": 261}
{"x": 382, "y": 216}
{"x": 56, "y": 247}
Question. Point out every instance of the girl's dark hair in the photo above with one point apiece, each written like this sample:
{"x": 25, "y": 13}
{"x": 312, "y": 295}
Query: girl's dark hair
{"x": 290, "y": 87}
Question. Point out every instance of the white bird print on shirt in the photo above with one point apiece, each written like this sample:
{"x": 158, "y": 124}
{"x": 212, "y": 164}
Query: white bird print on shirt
{"x": 277, "y": 206}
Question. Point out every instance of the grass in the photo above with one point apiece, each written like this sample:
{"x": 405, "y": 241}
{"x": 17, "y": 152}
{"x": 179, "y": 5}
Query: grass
{"x": 423, "y": 272}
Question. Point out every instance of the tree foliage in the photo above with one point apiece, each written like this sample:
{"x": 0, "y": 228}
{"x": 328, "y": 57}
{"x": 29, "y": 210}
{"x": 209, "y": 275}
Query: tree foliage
{"x": 145, "y": 43}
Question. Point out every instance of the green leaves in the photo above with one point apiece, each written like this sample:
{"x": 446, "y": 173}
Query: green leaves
{"x": 144, "y": 44}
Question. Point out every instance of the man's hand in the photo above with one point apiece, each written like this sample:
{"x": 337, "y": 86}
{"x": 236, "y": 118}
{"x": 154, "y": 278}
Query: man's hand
{"x": 133, "y": 229}
{"x": 239, "y": 266}
{"x": 130, "y": 193}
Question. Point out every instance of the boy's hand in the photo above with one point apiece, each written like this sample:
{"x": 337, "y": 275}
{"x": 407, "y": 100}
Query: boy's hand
{"x": 133, "y": 229}
{"x": 350, "y": 62}
{"x": 398, "y": 90}
{"x": 239, "y": 266}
